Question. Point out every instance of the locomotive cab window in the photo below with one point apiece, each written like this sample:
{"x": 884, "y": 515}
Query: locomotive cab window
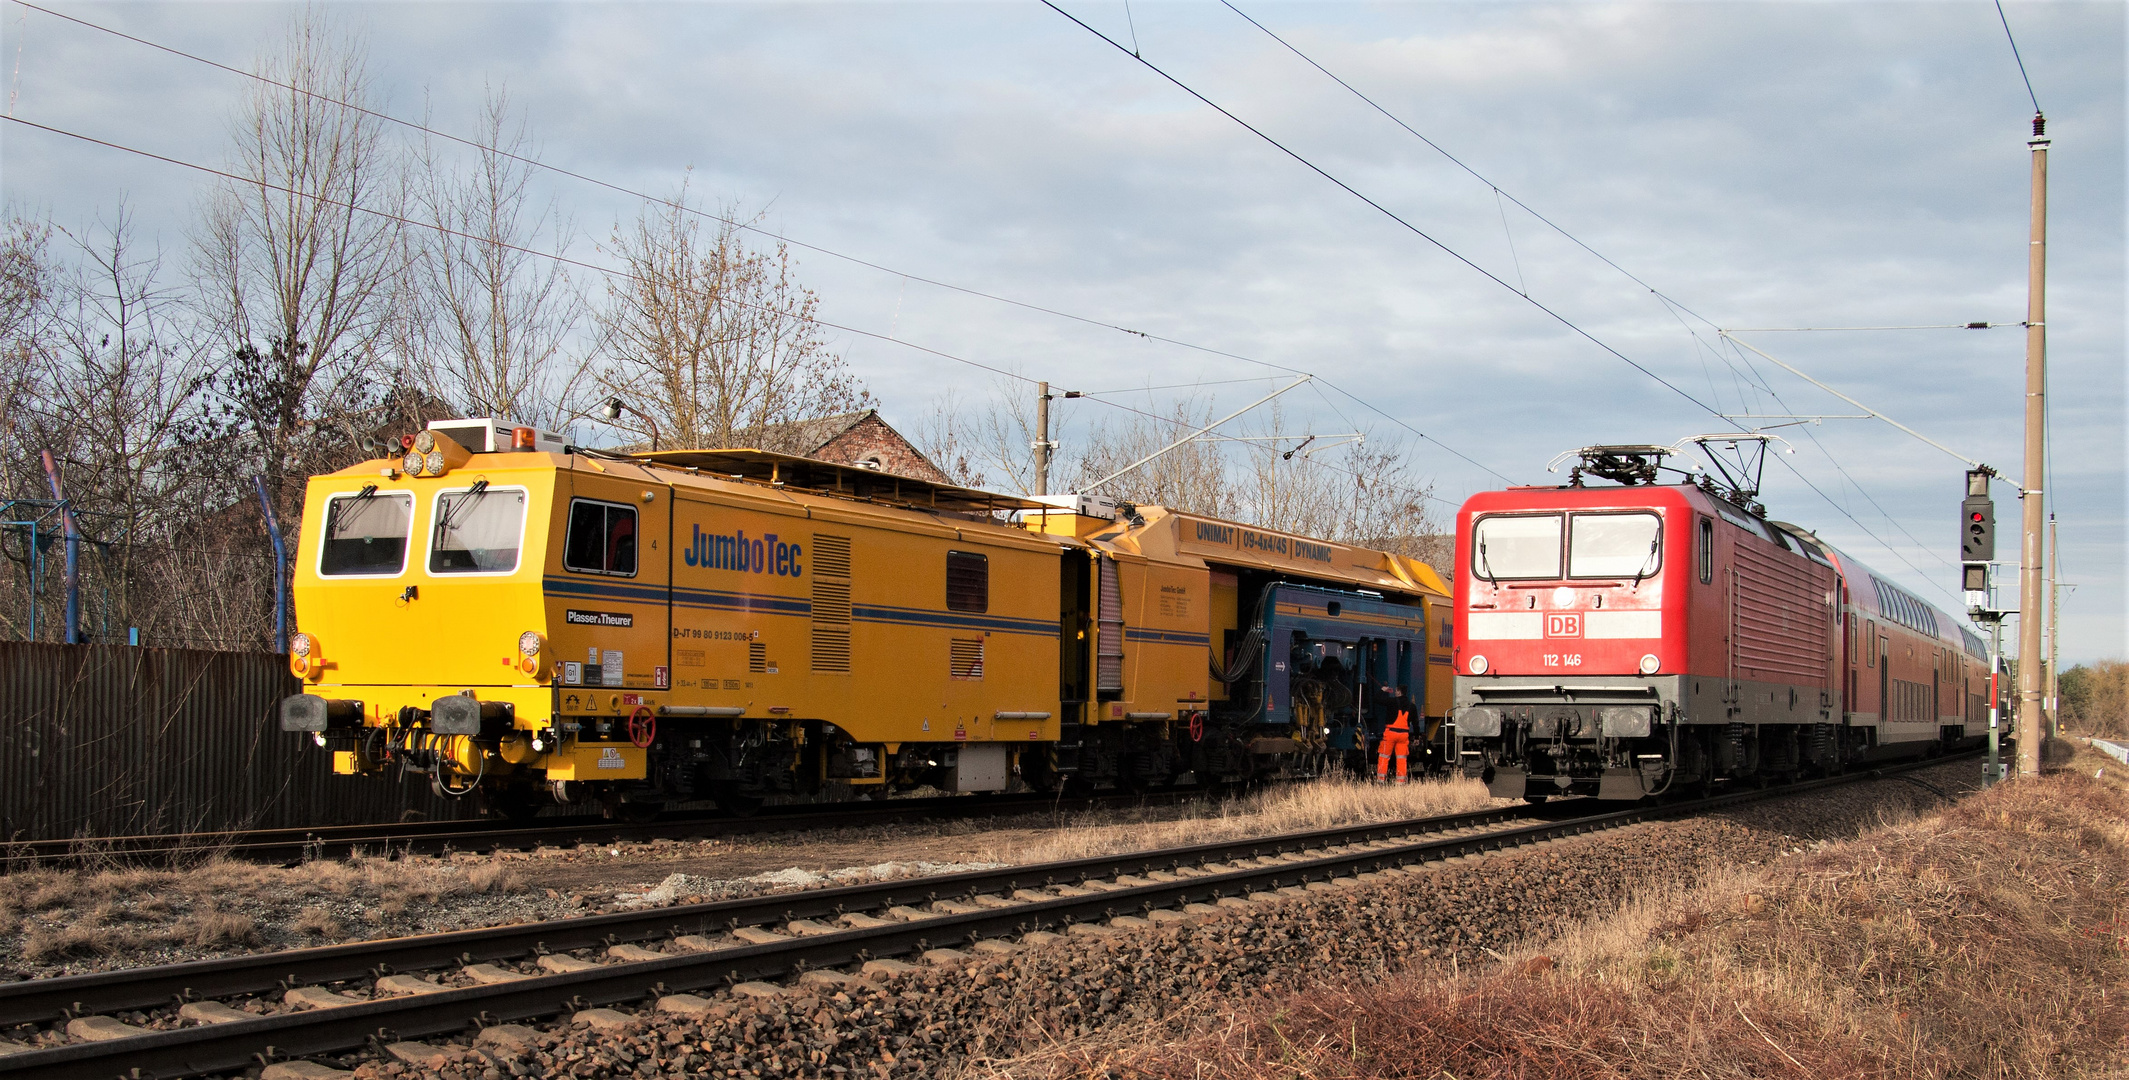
{"x": 601, "y": 539}
{"x": 1706, "y": 551}
{"x": 366, "y": 535}
{"x": 1522, "y": 546}
{"x": 477, "y": 531}
{"x": 968, "y": 581}
{"x": 1614, "y": 546}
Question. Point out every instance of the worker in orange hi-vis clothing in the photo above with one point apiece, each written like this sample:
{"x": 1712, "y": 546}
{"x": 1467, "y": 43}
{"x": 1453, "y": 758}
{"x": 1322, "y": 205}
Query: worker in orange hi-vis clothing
{"x": 1396, "y": 739}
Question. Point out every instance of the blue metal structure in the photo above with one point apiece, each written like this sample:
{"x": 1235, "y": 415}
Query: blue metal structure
{"x": 1329, "y": 651}
{"x": 72, "y": 529}
{"x": 273, "y": 531}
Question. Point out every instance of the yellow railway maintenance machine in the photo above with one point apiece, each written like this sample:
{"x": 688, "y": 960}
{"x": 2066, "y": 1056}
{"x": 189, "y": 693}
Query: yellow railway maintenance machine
{"x": 529, "y": 622}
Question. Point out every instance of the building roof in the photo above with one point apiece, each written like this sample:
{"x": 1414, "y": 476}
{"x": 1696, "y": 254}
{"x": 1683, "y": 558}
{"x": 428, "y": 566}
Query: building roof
{"x": 801, "y": 437}
{"x": 835, "y": 478}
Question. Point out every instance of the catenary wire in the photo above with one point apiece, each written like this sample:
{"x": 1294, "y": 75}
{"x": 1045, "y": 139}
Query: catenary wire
{"x": 337, "y": 204}
{"x": 2008, "y": 36}
{"x": 1379, "y": 208}
{"x": 1156, "y": 69}
{"x": 1849, "y": 329}
{"x": 1669, "y": 302}
{"x": 940, "y": 284}
{"x": 1665, "y": 298}
{"x": 519, "y": 248}
{"x": 749, "y": 227}
{"x": 1223, "y": 437}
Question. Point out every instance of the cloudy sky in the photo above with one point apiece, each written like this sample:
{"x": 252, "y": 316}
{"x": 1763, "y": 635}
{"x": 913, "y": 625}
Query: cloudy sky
{"x": 1757, "y": 164}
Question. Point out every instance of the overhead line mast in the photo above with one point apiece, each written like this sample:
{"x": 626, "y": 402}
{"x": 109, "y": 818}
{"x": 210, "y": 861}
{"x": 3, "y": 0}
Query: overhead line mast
{"x": 2031, "y": 726}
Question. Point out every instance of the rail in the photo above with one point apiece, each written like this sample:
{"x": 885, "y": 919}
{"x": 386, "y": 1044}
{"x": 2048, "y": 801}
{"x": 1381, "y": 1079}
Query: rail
{"x": 1140, "y": 882}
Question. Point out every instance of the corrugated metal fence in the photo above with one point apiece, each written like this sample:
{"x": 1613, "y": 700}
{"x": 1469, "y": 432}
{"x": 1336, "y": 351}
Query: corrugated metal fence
{"x": 107, "y": 740}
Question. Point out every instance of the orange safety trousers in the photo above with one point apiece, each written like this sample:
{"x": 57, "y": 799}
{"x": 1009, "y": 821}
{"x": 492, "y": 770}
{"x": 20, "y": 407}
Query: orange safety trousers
{"x": 1396, "y": 740}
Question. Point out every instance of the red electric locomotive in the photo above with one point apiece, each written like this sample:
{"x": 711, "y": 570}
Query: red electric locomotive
{"x": 1630, "y": 640}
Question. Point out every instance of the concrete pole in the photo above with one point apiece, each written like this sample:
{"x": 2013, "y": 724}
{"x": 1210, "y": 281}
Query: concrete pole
{"x": 2031, "y": 726}
{"x": 1994, "y": 770}
{"x": 1042, "y": 438}
{"x": 2054, "y": 694}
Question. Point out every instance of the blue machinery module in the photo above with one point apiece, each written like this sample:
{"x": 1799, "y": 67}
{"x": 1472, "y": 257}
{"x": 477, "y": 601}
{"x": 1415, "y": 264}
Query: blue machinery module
{"x": 1325, "y": 656}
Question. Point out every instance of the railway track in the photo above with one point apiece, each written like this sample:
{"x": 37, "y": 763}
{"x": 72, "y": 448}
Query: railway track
{"x": 524, "y": 971}
{"x": 481, "y": 836}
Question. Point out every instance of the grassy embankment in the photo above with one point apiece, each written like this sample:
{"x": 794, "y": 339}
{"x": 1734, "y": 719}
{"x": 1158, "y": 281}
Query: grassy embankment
{"x": 1989, "y": 939}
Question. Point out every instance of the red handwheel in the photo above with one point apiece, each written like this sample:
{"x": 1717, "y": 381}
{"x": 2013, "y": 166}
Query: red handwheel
{"x": 1197, "y": 727}
{"x": 642, "y": 727}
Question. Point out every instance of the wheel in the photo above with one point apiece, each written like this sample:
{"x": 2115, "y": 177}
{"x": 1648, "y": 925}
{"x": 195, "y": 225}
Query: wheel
{"x": 635, "y": 813}
{"x": 515, "y": 804}
{"x": 1038, "y": 769}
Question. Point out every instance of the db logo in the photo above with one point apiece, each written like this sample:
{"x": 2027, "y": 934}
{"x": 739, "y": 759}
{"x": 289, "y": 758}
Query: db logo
{"x": 1563, "y": 624}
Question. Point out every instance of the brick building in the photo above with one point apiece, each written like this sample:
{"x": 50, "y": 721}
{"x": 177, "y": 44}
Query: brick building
{"x": 860, "y": 438}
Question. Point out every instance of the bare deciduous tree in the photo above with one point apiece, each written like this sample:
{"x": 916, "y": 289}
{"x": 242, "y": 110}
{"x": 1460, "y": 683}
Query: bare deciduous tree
{"x": 709, "y": 337}
{"x": 26, "y": 290}
{"x": 118, "y": 370}
{"x": 1193, "y": 477}
{"x": 488, "y": 324}
{"x": 1360, "y": 493}
{"x": 293, "y": 273}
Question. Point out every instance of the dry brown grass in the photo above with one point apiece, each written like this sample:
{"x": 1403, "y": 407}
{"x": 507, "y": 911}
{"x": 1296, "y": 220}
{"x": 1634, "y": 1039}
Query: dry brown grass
{"x": 1990, "y": 940}
{"x": 52, "y": 916}
{"x": 1317, "y": 804}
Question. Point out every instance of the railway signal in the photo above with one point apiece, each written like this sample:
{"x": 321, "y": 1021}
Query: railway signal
{"x": 1977, "y": 534}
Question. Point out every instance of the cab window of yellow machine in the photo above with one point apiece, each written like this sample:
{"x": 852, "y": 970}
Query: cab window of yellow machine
{"x": 366, "y": 534}
{"x": 477, "y": 531}
{"x": 601, "y": 540}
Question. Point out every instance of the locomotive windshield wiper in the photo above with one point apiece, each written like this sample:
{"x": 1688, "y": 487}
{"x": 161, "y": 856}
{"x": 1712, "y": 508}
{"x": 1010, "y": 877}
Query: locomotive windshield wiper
{"x": 1647, "y": 564}
{"x": 1485, "y": 565}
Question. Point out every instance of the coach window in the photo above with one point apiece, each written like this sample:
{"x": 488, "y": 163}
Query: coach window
{"x": 477, "y": 531}
{"x": 1870, "y": 643}
{"x": 968, "y": 581}
{"x": 366, "y": 535}
{"x": 1523, "y": 546}
{"x": 1614, "y": 545}
{"x": 1707, "y": 550}
{"x": 601, "y": 539}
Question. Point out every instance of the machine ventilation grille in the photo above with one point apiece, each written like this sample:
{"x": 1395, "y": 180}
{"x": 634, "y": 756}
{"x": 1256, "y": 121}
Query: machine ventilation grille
{"x": 831, "y": 605}
{"x": 965, "y": 658}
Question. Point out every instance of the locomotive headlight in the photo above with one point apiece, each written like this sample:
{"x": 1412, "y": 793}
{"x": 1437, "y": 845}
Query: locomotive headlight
{"x": 425, "y": 441}
{"x": 299, "y": 645}
{"x": 1478, "y": 665}
{"x": 412, "y": 463}
{"x": 1649, "y": 664}
{"x": 1563, "y": 597}
{"x": 434, "y": 462}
